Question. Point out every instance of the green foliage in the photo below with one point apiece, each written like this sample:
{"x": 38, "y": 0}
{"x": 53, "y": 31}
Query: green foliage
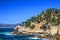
{"x": 54, "y": 20}
{"x": 27, "y": 23}
{"x": 33, "y": 19}
{"x": 32, "y": 26}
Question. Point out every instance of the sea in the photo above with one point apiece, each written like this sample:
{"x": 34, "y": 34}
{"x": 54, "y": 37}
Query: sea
{"x": 5, "y": 34}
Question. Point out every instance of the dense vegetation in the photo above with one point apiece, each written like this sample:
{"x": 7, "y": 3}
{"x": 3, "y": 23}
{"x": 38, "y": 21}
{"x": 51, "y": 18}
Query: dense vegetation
{"x": 52, "y": 16}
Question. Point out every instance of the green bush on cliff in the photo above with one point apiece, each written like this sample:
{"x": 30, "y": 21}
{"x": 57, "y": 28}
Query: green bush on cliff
{"x": 27, "y": 23}
{"x": 32, "y": 26}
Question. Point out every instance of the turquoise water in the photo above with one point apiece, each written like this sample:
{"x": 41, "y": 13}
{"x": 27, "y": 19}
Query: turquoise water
{"x": 6, "y": 35}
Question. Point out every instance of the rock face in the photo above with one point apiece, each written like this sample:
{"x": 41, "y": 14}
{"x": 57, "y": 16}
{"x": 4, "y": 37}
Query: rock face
{"x": 27, "y": 29}
{"x": 58, "y": 29}
{"x": 54, "y": 30}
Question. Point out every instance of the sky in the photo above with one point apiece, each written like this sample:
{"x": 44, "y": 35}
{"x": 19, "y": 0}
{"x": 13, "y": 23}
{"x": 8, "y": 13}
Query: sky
{"x": 17, "y": 11}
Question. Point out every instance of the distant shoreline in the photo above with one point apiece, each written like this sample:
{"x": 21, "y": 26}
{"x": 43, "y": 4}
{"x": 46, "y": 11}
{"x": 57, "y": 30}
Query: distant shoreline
{"x": 6, "y": 27}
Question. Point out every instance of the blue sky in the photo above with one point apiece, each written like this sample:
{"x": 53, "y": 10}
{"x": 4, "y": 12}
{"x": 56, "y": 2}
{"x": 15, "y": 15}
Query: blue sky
{"x": 17, "y": 11}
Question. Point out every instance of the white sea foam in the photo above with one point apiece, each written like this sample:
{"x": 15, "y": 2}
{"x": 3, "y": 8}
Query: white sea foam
{"x": 6, "y": 33}
{"x": 34, "y": 38}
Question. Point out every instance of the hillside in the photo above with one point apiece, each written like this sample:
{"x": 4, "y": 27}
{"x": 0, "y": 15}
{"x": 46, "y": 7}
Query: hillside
{"x": 51, "y": 15}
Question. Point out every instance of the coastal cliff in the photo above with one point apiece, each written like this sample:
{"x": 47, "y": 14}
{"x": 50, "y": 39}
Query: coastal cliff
{"x": 47, "y": 21}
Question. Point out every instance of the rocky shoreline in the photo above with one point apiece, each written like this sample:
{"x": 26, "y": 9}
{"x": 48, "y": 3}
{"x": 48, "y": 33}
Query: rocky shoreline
{"x": 45, "y": 25}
